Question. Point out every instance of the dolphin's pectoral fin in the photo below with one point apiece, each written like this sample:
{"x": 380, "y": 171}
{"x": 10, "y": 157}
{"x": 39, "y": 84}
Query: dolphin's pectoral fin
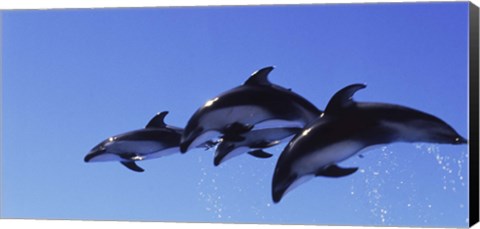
{"x": 158, "y": 121}
{"x": 132, "y": 165}
{"x": 335, "y": 171}
{"x": 238, "y": 128}
{"x": 343, "y": 98}
{"x": 233, "y": 132}
{"x": 260, "y": 154}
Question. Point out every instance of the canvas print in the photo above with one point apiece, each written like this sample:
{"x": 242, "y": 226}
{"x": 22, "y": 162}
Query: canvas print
{"x": 324, "y": 114}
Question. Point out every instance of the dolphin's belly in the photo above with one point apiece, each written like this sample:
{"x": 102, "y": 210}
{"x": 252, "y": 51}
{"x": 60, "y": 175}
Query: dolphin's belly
{"x": 164, "y": 152}
{"x": 238, "y": 150}
{"x": 106, "y": 157}
{"x": 254, "y": 137}
{"x": 141, "y": 148}
{"x": 278, "y": 123}
{"x": 326, "y": 156}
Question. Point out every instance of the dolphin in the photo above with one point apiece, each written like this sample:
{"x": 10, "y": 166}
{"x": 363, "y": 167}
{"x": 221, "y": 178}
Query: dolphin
{"x": 253, "y": 142}
{"x": 345, "y": 128}
{"x": 156, "y": 140}
{"x": 254, "y": 105}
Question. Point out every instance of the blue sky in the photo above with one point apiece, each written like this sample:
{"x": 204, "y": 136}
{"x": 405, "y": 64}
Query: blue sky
{"x": 72, "y": 78}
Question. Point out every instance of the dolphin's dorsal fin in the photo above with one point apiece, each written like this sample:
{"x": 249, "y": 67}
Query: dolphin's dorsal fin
{"x": 343, "y": 98}
{"x": 132, "y": 166}
{"x": 335, "y": 171}
{"x": 158, "y": 121}
{"x": 259, "y": 77}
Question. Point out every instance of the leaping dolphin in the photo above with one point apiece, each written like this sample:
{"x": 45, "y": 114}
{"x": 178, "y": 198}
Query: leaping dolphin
{"x": 157, "y": 139}
{"x": 246, "y": 108}
{"x": 347, "y": 127}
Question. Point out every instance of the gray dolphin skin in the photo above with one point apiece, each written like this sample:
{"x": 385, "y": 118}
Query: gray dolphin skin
{"x": 245, "y": 108}
{"x": 253, "y": 143}
{"x": 345, "y": 128}
{"x": 156, "y": 140}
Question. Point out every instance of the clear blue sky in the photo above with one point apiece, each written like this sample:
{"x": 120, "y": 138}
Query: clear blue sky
{"x": 72, "y": 78}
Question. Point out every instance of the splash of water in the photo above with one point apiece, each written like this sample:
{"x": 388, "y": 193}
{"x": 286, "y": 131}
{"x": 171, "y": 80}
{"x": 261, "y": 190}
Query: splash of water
{"x": 209, "y": 193}
{"x": 378, "y": 183}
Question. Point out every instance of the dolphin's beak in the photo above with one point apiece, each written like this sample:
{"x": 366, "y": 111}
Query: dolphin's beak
{"x": 280, "y": 185}
{"x": 93, "y": 154}
{"x": 277, "y": 194}
{"x": 218, "y": 158}
{"x": 223, "y": 149}
{"x": 461, "y": 140}
{"x": 89, "y": 157}
{"x": 184, "y": 144}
